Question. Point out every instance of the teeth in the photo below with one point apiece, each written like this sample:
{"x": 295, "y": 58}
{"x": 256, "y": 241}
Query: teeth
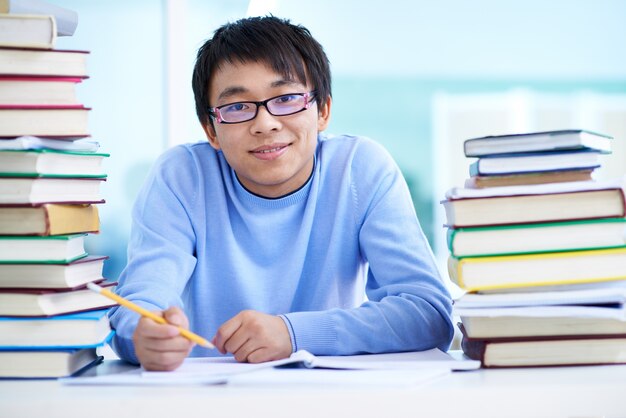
{"x": 265, "y": 151}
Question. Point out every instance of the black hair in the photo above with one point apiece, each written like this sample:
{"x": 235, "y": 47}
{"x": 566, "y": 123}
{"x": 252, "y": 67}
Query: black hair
{"x": 290, "y": 50}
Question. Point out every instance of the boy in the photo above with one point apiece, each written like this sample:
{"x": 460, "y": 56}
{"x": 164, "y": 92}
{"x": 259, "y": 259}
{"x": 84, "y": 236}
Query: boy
{"x": 272, "y": 237}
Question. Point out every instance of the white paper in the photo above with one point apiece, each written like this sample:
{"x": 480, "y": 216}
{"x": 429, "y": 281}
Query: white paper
{"x": 215, "y": 370}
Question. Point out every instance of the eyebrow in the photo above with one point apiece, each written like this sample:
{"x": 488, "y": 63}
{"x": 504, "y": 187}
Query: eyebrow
{"x": 234, "y": 90}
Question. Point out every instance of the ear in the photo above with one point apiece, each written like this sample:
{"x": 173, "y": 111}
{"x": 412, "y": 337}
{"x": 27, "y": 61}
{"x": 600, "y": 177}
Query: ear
{"x": 323, "y": 116}
{"x": 211, "y": 135}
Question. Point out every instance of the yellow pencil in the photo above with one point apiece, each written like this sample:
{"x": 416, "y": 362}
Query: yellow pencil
{"x": 144, "y": 312}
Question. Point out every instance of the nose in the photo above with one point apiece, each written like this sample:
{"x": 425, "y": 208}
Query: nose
{"x": 264, "y": 121}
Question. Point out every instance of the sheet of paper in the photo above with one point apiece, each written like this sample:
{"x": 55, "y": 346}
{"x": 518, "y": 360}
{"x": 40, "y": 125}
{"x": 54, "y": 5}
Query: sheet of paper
{"x": 215, "y": 370}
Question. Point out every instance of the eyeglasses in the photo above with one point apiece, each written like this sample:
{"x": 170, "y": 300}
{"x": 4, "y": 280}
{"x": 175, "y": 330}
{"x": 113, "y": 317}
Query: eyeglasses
{"x": 283, "y": 105}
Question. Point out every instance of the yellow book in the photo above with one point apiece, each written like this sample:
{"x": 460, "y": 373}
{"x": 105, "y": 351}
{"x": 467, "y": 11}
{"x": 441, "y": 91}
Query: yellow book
{"x": 48, "y": 219}
{"x": 531, "y": 270}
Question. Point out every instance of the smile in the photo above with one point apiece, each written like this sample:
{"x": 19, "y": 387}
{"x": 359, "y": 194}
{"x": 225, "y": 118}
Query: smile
{"x": 270, "y": 152}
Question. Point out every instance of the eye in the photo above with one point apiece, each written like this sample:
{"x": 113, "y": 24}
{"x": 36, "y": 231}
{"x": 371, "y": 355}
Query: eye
{"x": 235, "y": 107}
{"x": 287, "y": 98}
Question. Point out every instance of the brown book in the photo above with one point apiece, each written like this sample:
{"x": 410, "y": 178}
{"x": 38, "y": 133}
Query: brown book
{"x": 48, "y": 219}
{"x": 546, "y": 351}
{"x": 480, "y": 182}
{"x": 532, "y": 204}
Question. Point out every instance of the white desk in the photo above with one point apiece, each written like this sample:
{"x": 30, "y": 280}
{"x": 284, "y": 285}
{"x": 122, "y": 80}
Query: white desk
{"x": 577, "y": 392}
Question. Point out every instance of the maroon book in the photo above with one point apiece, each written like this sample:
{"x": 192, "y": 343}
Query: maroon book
{"x": 546, "y": 351}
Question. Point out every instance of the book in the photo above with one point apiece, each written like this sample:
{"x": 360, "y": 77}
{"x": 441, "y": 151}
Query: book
{"x": 35, "y": 163}
{"x": 27, "y": 31}
{"x": 61, "y": 276}
{"x": 61, "y": 144}
{"x": 32, "y": 62}
{"x": 546, "y": 351}
{"x": 532, "y": 204}
{"x": 46, "y": 364}
{"x": 66, "y": 19}
{"x": 48, "y": 219}
{"x": 19, "y": 191}
{"x": 38, "y": 91}
{"x": 46, "y": 121}
{"x": 479, "y": 182}
{"x": 515, "y": 271}
{"x": 48, "y": 302}
{"x": 526, "y": 326}
{"x": 82, "y": 330}
{"x": 537, "y": 141}
{"x": 534, "y": 163}
{"x": 537, "y": 238}
{"x": 42, "y": 249}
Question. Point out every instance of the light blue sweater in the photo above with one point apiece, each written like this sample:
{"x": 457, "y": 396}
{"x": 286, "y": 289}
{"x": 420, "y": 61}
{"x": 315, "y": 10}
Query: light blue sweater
{"x": 343, "y": 259}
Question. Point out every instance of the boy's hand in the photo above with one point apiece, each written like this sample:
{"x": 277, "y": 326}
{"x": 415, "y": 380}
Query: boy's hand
{"x": 254, "y": 337}
{"x": 160, "y": 346}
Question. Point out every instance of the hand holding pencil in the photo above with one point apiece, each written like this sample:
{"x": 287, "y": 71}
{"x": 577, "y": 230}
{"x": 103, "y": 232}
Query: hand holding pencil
{"x": 159, "y": 347}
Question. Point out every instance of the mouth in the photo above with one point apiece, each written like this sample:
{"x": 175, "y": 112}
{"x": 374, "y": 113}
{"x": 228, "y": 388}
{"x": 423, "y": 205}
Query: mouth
{"x": 270, "y": 152}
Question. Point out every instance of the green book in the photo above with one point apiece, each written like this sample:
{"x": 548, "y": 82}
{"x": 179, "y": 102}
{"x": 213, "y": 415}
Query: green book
{"x": 537, "y": 237}
{"x": 56, "y": 249}
{"x": 51, "y": 163}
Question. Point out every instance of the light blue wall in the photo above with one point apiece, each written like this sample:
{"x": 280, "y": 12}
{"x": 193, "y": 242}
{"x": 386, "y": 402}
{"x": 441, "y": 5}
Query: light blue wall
{"x": 388, "y": 59}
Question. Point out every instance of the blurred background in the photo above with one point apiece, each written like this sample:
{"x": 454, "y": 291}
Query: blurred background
{"x": 417, "y": 76}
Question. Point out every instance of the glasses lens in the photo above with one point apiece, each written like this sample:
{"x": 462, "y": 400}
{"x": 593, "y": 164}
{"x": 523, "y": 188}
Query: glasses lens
{"x": 286, "y": 104}
{"x": 238, "y": 112}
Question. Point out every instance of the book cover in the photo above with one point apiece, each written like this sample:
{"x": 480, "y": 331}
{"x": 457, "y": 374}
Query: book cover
{"x": 46, "y": 364}
{"x": 566, "y": 176}
{"x": 546, "y": 351}
{"x": 48, "y": 219}
{"x": 537, "y": 141}
{"x": 57, "y": 249}
{"x": 60, "y": 121}
{"x": 535, "y": 270}
{"x": 20, "y": 191}
{"x": 532, "y": 204}
{"x": 46, "y": 302}
{"x": 88, "y": 329}
{"x": 66, "y": 19}
{"x": 27, "y": 31}
{"x": 537, "y": 237}
{"x": 59, "y": 276}
{"x": 38, "y": 91}
{"x": 51, "y": 163}
{"x": 535, "y": 163}
{"x": 52, "y": 63}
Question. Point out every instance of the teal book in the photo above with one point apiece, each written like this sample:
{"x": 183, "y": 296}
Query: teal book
{"x": 74, "y": 331}
{"x": 537, "y": 238}
{"x": 51, "y": 163}
{"x": 55, "y": 249}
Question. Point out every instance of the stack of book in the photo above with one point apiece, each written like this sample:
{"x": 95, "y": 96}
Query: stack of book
{"x": 541, "y": 250}
{"x": 50, "y": 175}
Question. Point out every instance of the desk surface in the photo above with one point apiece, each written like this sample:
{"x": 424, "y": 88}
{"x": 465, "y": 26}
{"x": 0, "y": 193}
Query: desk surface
{"x": 579, "y": 392}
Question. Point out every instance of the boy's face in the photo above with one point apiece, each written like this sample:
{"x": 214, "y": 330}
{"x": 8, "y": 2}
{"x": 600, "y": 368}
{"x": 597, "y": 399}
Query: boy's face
{"x": 272, "y": 155}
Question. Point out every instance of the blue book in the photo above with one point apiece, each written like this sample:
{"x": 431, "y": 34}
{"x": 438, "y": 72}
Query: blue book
{"x": 539, "y": 162}
{"x": 81, "y": 330}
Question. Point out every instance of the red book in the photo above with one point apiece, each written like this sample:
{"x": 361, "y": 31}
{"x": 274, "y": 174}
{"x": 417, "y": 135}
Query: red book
{"x": 24, "y": 91}
{"x": 39, "y": 62}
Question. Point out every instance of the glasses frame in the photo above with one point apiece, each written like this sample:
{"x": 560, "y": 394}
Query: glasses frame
{"x": 309, "y": 98}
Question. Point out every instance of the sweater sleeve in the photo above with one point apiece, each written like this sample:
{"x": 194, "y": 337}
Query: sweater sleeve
{"x": 161, "y": 247}
{"x": 408, "y": 306}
